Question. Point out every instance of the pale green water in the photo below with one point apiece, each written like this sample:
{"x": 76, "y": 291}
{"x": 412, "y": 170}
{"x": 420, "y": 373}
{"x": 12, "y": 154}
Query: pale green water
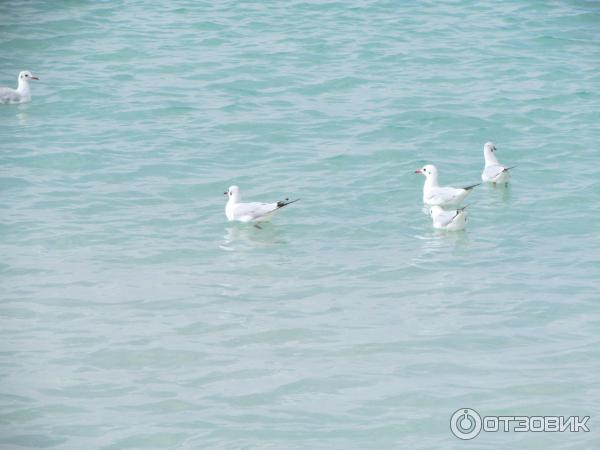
{"x": 133, "y": 315}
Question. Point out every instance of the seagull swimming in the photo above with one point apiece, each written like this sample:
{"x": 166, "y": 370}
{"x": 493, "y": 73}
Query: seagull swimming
{"x": 452, "y": 220}
{"x": 435, "y": 195}
{"x": 494, "y": 172}
{"x": 250, "y": 212}
{"x": 20, "y": 95}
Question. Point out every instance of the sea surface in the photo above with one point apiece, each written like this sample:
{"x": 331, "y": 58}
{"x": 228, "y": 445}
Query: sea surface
{"x": 133, "y": 315}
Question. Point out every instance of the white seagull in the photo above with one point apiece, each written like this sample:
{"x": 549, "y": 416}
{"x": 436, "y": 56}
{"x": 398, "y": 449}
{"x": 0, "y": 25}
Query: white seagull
{"x": 494, "y": 172}
{"x": 20, "y": 95}
{"x": 452, "y": 220}
{"x": 435, "y": 195}
{"x": 250, "y": 212}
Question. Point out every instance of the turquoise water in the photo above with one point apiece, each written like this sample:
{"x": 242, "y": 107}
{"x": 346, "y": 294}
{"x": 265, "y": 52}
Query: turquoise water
{"x": 133, "y": 315}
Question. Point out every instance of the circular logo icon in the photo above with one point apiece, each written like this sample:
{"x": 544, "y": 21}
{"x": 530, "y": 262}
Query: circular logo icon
{"x": 465, "y": 423}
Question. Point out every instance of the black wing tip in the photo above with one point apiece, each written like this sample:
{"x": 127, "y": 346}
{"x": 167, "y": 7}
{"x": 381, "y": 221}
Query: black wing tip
{"x": 282, "y": 203}
{"x": 506, "y": 169}
{"x": 468, "y": 188}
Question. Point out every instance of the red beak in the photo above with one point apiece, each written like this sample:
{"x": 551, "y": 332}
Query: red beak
{"x": 34, "y": 78}
{"x": 418, "y": 171}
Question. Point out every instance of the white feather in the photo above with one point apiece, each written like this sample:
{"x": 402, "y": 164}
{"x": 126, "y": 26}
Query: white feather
{"x": 451, "y": 220}
{"x": 249, "y": 212}
{"x": 493, "y": 171}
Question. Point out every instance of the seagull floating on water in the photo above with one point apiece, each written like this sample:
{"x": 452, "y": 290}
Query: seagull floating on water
{"x": 20, "y": 95}
{"x": 494, "y": 172}
{"x": 250, "y": 212}
{"x": 435, "y": 195}
{"x": 451, "y": 220}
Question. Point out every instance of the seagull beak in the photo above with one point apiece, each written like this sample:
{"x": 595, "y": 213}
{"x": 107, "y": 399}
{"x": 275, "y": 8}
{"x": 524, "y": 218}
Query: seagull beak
{"x": 418, "y": 171}
{"x": 34, "y": 78}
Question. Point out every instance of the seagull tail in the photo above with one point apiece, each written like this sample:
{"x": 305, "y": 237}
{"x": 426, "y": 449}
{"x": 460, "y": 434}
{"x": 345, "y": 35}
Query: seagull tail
{"x": 468, "y": 188}
{"x": 286, "y": 202}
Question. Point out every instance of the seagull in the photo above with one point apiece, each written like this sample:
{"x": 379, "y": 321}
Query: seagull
{"x": 493, "y": 171}
{"x": 435, "y": 195}
{"x": 250, "y": 212}
{"x": 20, "y": 95}
{"x": 452, "y": 220}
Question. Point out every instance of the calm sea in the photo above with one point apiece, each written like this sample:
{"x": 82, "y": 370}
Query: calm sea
{"x": 133, "y": 315}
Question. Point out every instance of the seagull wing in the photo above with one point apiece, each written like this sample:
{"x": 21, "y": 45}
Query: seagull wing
{"x": 444, "y": 195}
{"x": 444, "y": 218}
{"x": 247, "y": 212}
{"x": 492, "y": 172}
{"x": 8, "y": 95}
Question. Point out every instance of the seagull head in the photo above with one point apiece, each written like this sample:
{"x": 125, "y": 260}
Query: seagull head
{"x": 26, "y": 75}
{"x": 489, "y": 153}
{"x": 489, "y": 147}
{"x": 233, "y": 193}
{"x": 427, "y": 170}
